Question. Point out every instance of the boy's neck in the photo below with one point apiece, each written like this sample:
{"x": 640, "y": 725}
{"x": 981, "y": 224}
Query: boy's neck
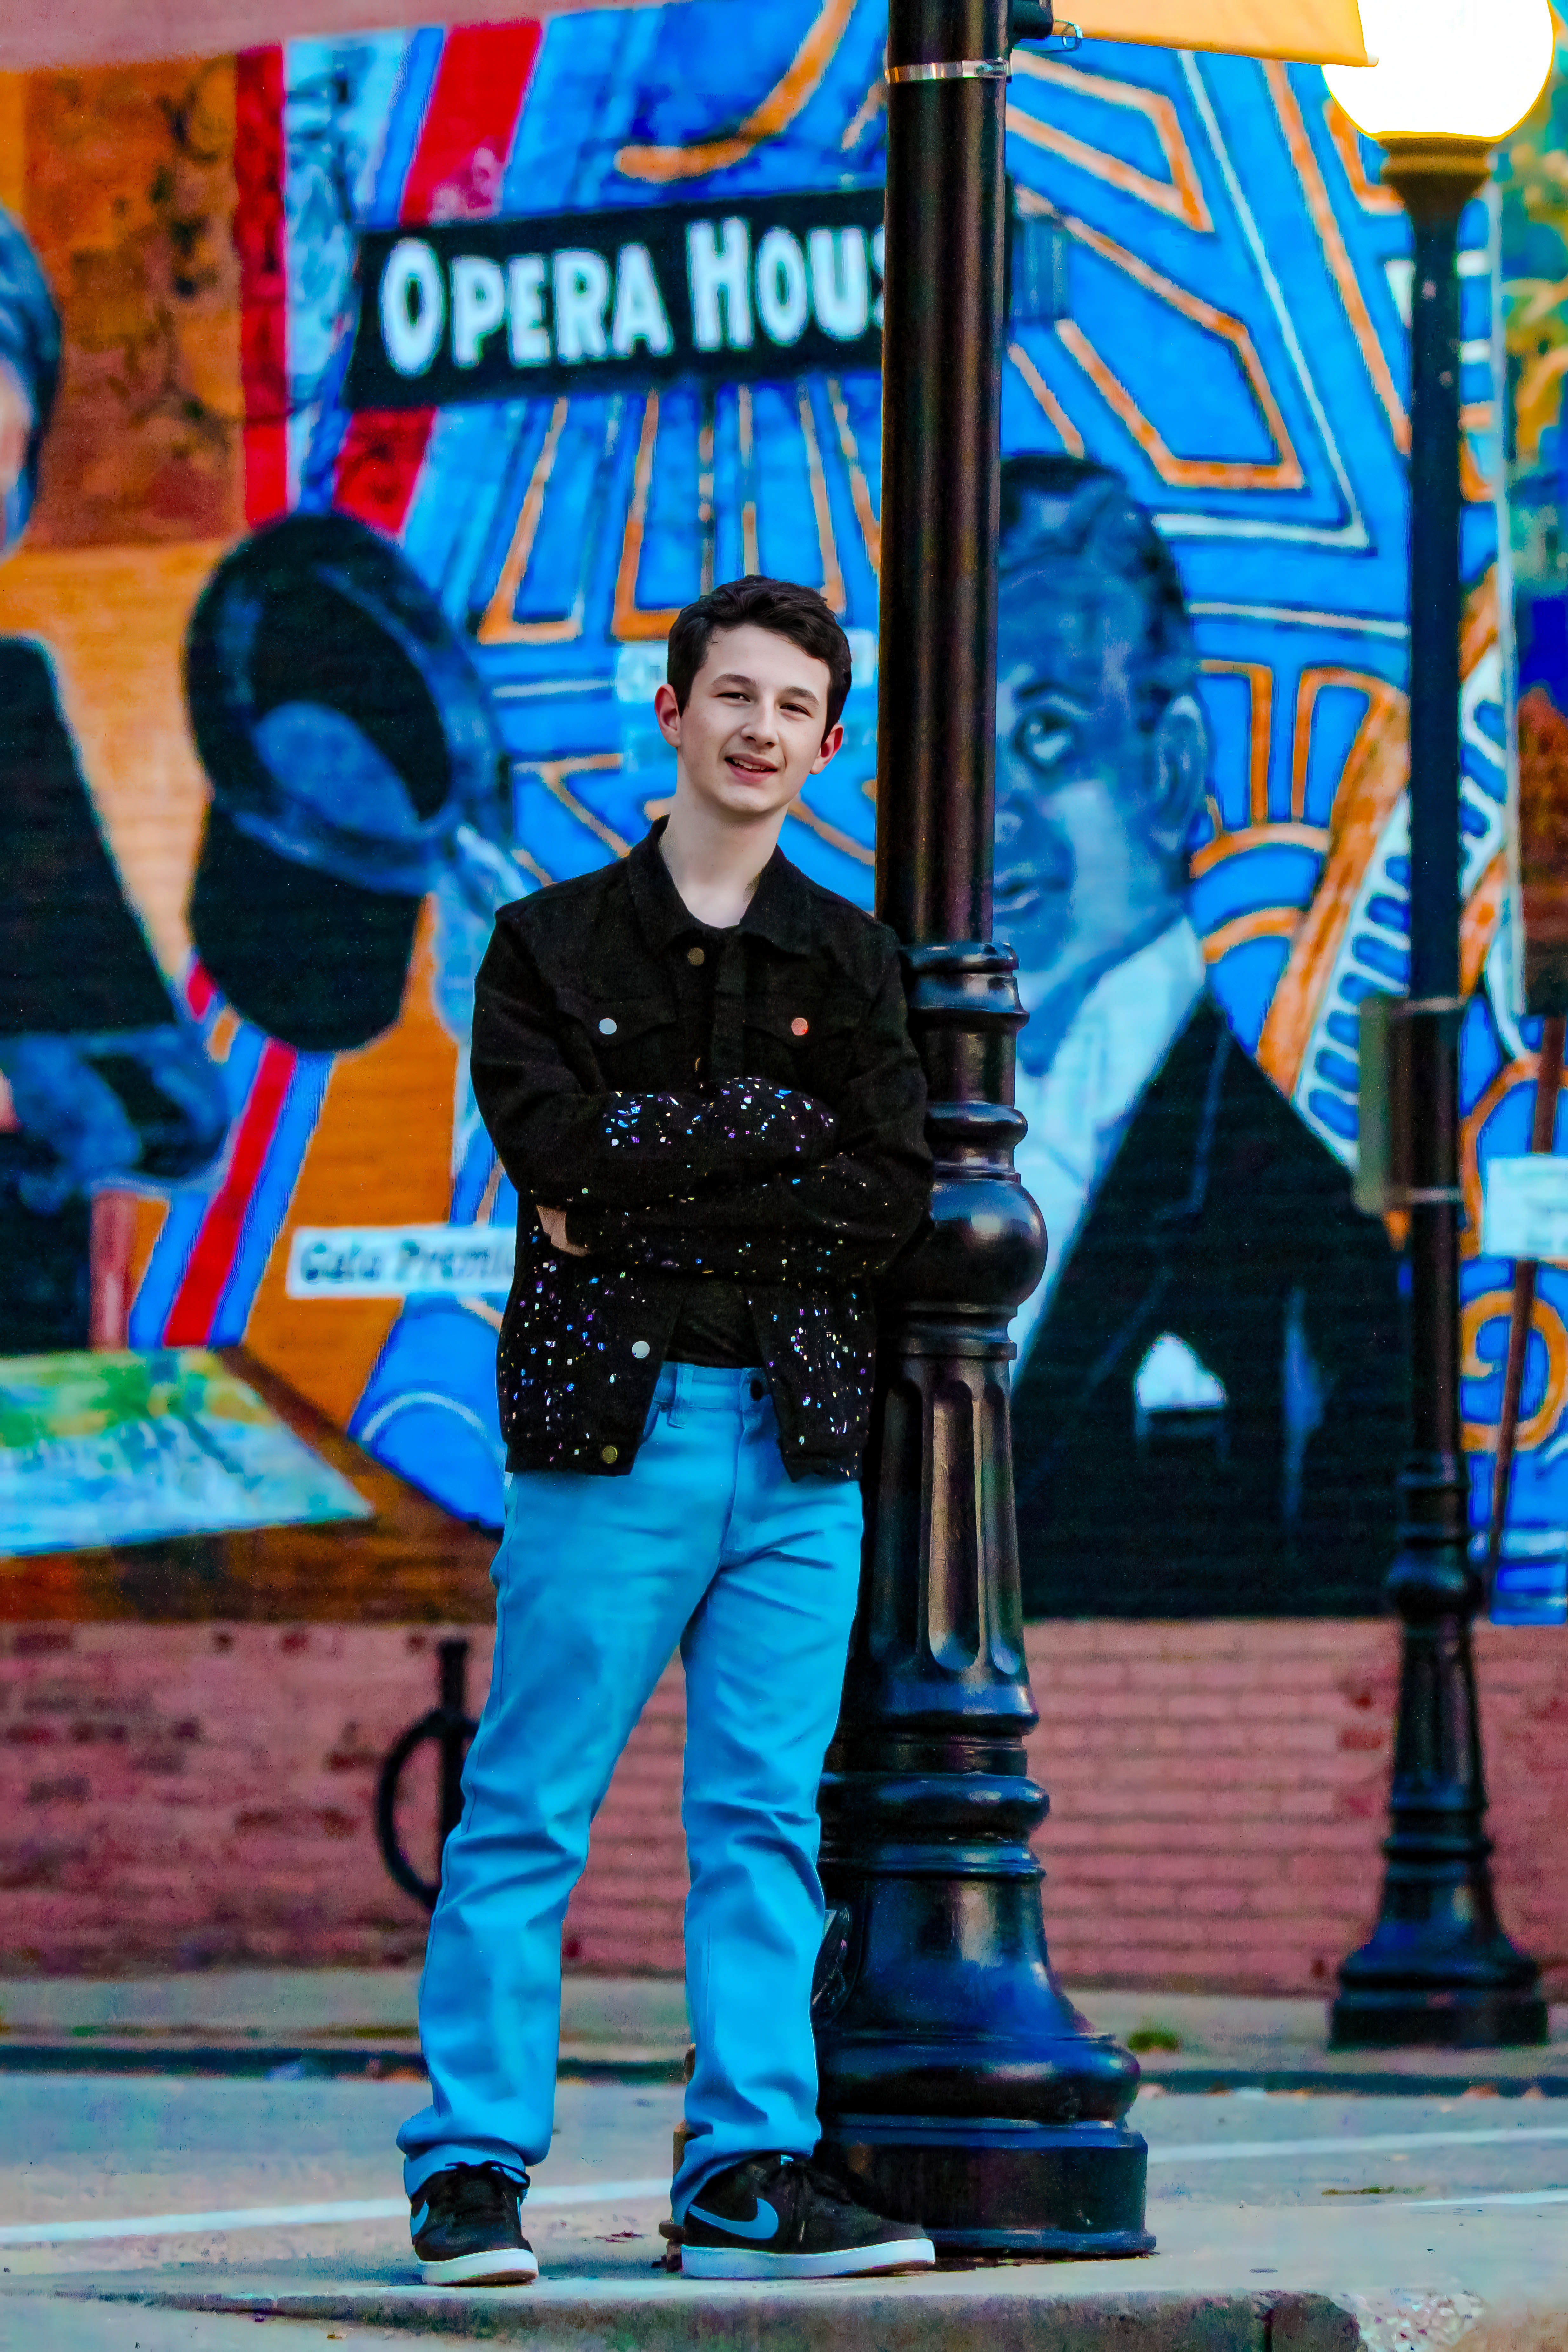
{"x": 715, "y": 863}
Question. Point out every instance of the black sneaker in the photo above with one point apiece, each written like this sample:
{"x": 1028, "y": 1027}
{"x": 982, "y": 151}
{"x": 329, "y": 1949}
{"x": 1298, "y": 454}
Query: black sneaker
{"x": 466, "y": 2229}
{"x": 776, "y": 2217}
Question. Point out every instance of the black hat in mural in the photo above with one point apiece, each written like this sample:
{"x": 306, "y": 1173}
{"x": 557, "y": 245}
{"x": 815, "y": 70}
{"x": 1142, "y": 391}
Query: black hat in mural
{"x": 352, "y": 752}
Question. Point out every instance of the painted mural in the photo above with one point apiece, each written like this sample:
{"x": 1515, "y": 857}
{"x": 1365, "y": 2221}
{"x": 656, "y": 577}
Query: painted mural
{"x": 368, "y": 409}
{"x": 149, "y": 1445}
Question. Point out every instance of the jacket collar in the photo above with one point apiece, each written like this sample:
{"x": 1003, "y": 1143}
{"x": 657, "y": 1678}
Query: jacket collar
{"x": 779, "y": 912}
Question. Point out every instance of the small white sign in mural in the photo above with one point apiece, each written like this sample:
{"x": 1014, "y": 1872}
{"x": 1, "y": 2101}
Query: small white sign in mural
{"x": 400, "y": 1261}
{"x": 1526, "y": 1208}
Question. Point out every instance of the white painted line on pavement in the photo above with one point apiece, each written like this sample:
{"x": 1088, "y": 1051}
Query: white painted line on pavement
{"x": 1342, "y": 2144}
{"x": 1493, "y": 2197}
{"x": 612, "y": 2192}
{"x": 285, "y": 2217}
{"x": 158, "y": 2225}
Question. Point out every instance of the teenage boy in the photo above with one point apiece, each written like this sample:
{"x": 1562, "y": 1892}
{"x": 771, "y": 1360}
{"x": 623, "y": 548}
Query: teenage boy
{"x": 696, "y": 1069}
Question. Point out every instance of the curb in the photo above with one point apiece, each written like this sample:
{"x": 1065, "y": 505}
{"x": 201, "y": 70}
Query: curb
{"x": 945, "y": 2316}
{"x": 1354, "y": 2081}
{"x": 288, "y": 2061}
{"x": 306, "y": 2061}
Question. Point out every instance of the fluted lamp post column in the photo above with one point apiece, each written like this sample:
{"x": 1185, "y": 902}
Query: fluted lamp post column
{"x": 1453, "y": 77}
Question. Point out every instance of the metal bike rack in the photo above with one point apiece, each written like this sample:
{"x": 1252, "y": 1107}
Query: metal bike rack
{"x": 451, "y": 1725}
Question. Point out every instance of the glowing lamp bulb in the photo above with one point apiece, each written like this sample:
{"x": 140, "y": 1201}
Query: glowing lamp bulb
{"x": 1447, "y": 68}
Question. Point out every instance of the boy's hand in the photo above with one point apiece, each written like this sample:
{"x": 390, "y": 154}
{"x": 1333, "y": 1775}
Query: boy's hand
{"x": 554, "y": 1223}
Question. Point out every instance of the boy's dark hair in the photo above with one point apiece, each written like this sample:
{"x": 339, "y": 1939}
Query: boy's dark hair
{"x": 782, "y": 606}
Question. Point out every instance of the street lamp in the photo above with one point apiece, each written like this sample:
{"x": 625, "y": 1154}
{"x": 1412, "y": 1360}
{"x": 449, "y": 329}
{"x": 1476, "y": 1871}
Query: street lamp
{"x": 959, "y": 2085}
{"x": 1453, "y": 77}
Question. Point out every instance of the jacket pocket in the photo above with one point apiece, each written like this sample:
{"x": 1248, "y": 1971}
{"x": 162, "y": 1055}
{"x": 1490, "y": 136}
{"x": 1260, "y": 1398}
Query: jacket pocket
{"x": 623, "y": 1035}
{"x": 795, "y": 1043}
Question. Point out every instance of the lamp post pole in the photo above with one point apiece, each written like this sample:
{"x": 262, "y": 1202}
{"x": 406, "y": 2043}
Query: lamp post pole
{"x": 959, "y": 2085}
{"x": 1438, "y": 1968}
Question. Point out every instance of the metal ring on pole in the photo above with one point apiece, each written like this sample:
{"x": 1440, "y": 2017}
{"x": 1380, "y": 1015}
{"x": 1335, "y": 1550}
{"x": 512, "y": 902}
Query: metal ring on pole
{"x": 955, "y": 69}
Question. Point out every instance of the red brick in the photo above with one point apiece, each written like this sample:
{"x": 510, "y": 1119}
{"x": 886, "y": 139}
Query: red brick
{"x": 1217, "y": 1799}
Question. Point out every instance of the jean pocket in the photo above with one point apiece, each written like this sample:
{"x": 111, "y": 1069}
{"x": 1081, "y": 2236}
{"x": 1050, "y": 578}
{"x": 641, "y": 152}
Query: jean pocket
{"x": 651, "y": 1423}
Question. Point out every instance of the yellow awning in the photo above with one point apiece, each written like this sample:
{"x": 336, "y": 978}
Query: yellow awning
{"x": 1319, "y": 32}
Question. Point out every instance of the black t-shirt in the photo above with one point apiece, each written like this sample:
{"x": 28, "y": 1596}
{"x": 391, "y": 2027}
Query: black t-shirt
{"x": 715, "y": 1326}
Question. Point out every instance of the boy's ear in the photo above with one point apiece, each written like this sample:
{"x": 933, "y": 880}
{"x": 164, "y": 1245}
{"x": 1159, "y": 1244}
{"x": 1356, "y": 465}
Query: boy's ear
{"x": 667, "y": 711}
{"x": 832, "y": 741}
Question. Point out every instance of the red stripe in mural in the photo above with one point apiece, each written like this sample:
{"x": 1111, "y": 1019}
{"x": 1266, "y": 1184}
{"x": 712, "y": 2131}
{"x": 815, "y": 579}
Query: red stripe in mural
{"x": 455, "y": 175}
{"x": 199, "y": 989}
{"x": 208, "y": 1269}
{"x": 484, "y": 73}
{"x": 264, "y": 292}
{"x": 379, "y": 465}
{"x": 456, "y": 171}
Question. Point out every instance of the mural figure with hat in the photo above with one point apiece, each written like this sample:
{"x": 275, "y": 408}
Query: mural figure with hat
{"x": 355, "y": 767}
{"x": 103, "y": 1082}
{"x": 1205, "y": 1254}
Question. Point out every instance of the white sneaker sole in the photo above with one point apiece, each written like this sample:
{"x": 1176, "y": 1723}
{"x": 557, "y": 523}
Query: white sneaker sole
{"x": 506, "y": 2266}
{"x": 852, "y": 2262}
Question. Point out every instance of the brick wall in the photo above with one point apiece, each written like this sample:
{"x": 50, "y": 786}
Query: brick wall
{"x": 199, "y": 1796}
{"x": 185, "y": 1796}
{"x": 1218, "y": 1792}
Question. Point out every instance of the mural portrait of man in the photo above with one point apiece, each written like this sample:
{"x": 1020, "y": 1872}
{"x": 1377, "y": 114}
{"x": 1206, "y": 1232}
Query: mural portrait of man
{"x": 1100, "y": 755}
{"x": 1210, "y": 1286}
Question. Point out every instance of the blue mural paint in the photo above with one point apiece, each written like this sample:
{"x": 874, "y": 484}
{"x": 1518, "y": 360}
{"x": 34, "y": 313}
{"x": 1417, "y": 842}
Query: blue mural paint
{"x": 1224, "y": 846}
{"x": 1259, "y": 430}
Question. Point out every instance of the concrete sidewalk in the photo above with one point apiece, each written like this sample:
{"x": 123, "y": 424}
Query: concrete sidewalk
{"x": 1283, "y": 2224}
{"x": 350, "y": 2021}
{"x": 948, "y": 2314}
{"x": 1237, "y": 2278}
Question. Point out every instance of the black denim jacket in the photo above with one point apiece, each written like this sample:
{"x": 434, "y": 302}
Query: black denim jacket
{"x": 787, "y": 1152}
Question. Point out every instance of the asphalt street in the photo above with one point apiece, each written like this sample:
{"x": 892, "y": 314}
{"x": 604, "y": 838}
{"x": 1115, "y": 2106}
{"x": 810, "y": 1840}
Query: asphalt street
{"x": 152, "y": 2178}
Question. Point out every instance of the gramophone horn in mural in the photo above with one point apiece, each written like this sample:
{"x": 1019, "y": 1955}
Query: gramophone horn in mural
{"x": 352, "y": 756}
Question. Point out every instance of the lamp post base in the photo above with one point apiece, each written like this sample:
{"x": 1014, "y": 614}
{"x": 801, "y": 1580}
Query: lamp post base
{"x": 1437, "y": 2021}
{"x": 991, "y": 2181}
{"x": 1429, "y": 2013}
{"x": 1438, "y": 1972}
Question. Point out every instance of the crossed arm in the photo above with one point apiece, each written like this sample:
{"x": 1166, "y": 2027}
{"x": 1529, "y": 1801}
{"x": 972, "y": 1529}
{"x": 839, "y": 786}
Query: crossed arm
{"x": 749, "y": 1181}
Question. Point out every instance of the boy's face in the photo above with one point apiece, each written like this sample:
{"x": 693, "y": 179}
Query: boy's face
{"x": 752, "y": 731}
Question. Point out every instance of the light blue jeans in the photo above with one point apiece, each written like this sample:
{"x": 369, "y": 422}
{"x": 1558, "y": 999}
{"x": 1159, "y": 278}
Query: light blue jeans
{"x": 705, "y": 1542}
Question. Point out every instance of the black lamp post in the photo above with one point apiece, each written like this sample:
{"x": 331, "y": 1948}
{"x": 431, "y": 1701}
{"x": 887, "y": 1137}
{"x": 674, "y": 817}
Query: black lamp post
{"x": 1438, "y": 1968}
{"x": 959, "y": 2085}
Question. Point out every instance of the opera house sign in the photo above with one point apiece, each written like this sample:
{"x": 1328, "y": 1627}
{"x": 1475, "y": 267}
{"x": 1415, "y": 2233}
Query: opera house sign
{"x": 493, "y": 310}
